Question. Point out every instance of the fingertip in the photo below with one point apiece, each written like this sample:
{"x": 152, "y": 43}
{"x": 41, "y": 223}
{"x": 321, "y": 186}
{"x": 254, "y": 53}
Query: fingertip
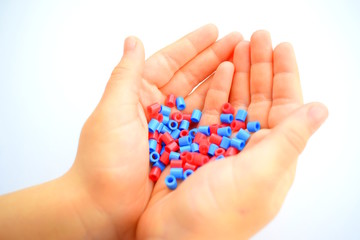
{"x": 226, "y": 66}
{"x": 317, "y": 114}
{"x": 133, "y": 44}
{"x": 236, "y": 36}
{"x": 260, "y": 34}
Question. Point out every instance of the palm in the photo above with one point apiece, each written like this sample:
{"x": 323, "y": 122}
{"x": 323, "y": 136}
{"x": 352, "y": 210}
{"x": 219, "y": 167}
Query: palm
{"x": 270, "y": 90}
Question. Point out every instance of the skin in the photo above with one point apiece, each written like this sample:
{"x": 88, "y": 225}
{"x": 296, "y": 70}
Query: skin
{"x": 107, "y": 193}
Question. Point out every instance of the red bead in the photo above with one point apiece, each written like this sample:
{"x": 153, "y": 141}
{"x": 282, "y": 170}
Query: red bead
{"x": 200, "y": 159}
{"x": 158, "y": 148}
{"x": 204, "y": 146}
{"x": 154, "y": 173}
{"x": 227, "y": 108}
{"x": 231, "y": 151}
{"x": 214, "y": 128}
{"x": 166, "y": 138}
{"x": 190, "y": 158}
{"x": 164, "y": 158}
{"x": 172, "y": 147}
{"x": 187, "y": 117}
{"x": 176, "y": 163}
{"x": 183, "y": 155}
{"x": 184, "y": 133}
{"x": 177, "y": 116}
{"x": 212, "y": 159}
{"x": 198, "y": 137}
{"x": 215, "y": 139}
{"x": 159, "y": 138}
{"x": 189, "y": 166}
{"x": 154, "y": 135}
{"x": 153, "y": 108}
{"x": 170, "y": 100}
{"x": 219, "y": 151}
{"x": 158, "y": 117}
{"x": 236, "y": 125}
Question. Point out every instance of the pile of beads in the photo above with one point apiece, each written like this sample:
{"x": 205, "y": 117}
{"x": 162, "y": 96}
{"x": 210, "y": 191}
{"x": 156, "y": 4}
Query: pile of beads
{"x": 176, "y": 140}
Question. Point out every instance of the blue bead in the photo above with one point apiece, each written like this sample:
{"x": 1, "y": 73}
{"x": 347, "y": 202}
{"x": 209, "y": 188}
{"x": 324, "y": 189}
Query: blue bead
{"x": 192, "y": 133}
{"x": 224, "y": 131}
{"x": 154, "y": 157}
{"x": 184, "y": 125}
{"x": 176, "y": 172}
{"x": 212, "y": 149}
{"x": 237, "y": 143}
{"x": 205, "y": 130}
{"x": 165, "y": 129}
{"x": 194, "y": 147}
{"x": 152, "y": 145}
{"x": 241, "y": 115}
{"x": 162, "y": 150}
{"x": 196, "y": 115}
{"x": 243, "y": 135}
{"x": 160, "y": 127}
{"x": 175, "y": 134}
{"x": 187, "y": 173}
{"x": 165, "y": 120}
{"x": 183, "y": 141}
{"x": 159, "y": 165}
{"x": 225, "y": 143}
{"x": 165, "y": 110}
{"x": 153, "y": 124}
{"x": 219, "y": 157}
{"x": 185, "y": 148}
{"x": 170, "y": 182}
{"x": 174, "y": 155}
{"x": 226, "y": 118}
{"x": 180, "y": 103}
{"x": 172, "y": 125}
{"x": 253, "y": 126}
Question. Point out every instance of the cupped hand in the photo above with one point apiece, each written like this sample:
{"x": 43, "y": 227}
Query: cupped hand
{"x": 112, "y": 163}
{"x": 235, "y": 197}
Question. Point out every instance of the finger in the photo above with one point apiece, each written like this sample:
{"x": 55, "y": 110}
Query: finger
{"x": 202, "y": 66}
{"x": 173, "y": 57}
{"x": 196, "y": 99}
{"x": 218, "y": 93}
{"x": 261, "y": 75}
{"x": 287, "y": 94}
{"x": 123, "y": 86}
{"x": 240, "y": 89}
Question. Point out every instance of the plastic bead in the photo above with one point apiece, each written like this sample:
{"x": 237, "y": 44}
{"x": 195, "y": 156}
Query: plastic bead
{"x": 180, "y": 103}
{"x": 167, "y": 138}
{"x": 205, "y": 130}
{"x": 177, "y": 116}
{"x": 154, "y": 135}
{"x": 190, "y": 158}
{"x": 204, "y": 146}
{"x": 153, "y": 124}
{"x": 189, "y": 166}
{"x": 225, "y": 142}
{"x": 170, "y": 100}
{"x": 176, "y": 172}
{"x": 253, "y": 126}
{"x": 196, "y": 116}
{"x": 214, "y": 128}
{"x": 175, "y": 134}
{"x": 184, "y": 141}
{"x": 212, "y": 149}
{"x": 153, "y": 108}
{"x": 165, "y": 129}
{"x": 200, "y": 159}
{"x": 154, "y": 174}
{"x": 237, "y": 125}
{"x": 237, "y": 143}
{"x": 184, "y": 125}
{"x": 226, "y": 118}
{"x": 216, "y": 139}
{"x": 172, "y": 125}
{"x": 160, "y": 127}
{"x": 170, "y": 182}
{"x": 219, "y": 151}
{"x": 158, "y": 148}
{"x": 219, "y": 157}
{"x": 152, "y": 145}
{"x": 243, "y": 135}
{"x": 172, "y": 147}
{"x": 187, "y": 117}
{"x": 162, "y": 150}
{"x": 194, "y": 147}
{"x": 227, "y": 108}
{"x": 164, "y": 110}
{"x": 187, "y": 173}
{"x": 183, "y": 155}
{"x": 224, "y": 131}
{"x": 198, "y": 137}
{"x": 176, "y": 164}
{"x": 231, "y": 151}
{"x": 192, "y": 133}
{"x": 165, "y": 120}
{"x": 184, "y": 133}
{"x": 185, "y": 148}
{"x": 154, "y": 157}
{"x": 241, "y": 115}
{"x": 158, "y": 117}
{"x": 174, "y": 155}
{"x": 159, "y": 165}
{"x": 164, "y": 158}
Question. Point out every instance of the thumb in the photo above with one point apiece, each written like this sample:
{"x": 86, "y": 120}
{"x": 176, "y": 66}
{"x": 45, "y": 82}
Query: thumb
{"x": 124, "y": 83}
{"x": 287, "y": 140}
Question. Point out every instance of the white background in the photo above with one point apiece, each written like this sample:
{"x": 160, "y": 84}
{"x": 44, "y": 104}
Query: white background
{"x": 55, "y": 59}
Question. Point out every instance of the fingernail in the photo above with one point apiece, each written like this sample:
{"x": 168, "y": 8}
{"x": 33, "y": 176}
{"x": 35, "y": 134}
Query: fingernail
{"x": 318, "y": 113}
{"x": 130, "y": 44}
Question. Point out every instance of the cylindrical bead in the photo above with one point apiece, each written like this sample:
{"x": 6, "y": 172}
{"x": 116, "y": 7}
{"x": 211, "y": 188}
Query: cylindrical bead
{"x": 253, "y": 126}
{"x": 174, "y": 155}
{"x": 176, "y": 172}
{"x": 225, "y": 142}
{"x": 175, "y": 134}
{"x": 167, "y": 138}
{"x": 184, "y": 125}
{"x": 172, "y": 147}
{"x": 164, "y": 158}
{"x": 153, "y": 124}
{"x": 243, "y": 135}
{"x": 176, "y": 164}
{"x": 216, "y": 139}
{"x": 152, "y": 145}
{"x": 237, "y": 143}
{"x": 153, "y": 108}
{"x": 170, "y": 100}
{"x": 241, "y": 115}
{"x": 227, "y": 108}
{"x": 187, "y": 173}
{"x": 154, "y": 174}
{"x": 226, "y": 118}
{"x": 204, "y": 130}
{"x": 224, "y": 131}
{"x": 196, "y": 116}
{"x": 237, "y": 125}
{"x": 180, "y": 103}
{"x": 154, "y": 157}
{"x": 170, "y": 182}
